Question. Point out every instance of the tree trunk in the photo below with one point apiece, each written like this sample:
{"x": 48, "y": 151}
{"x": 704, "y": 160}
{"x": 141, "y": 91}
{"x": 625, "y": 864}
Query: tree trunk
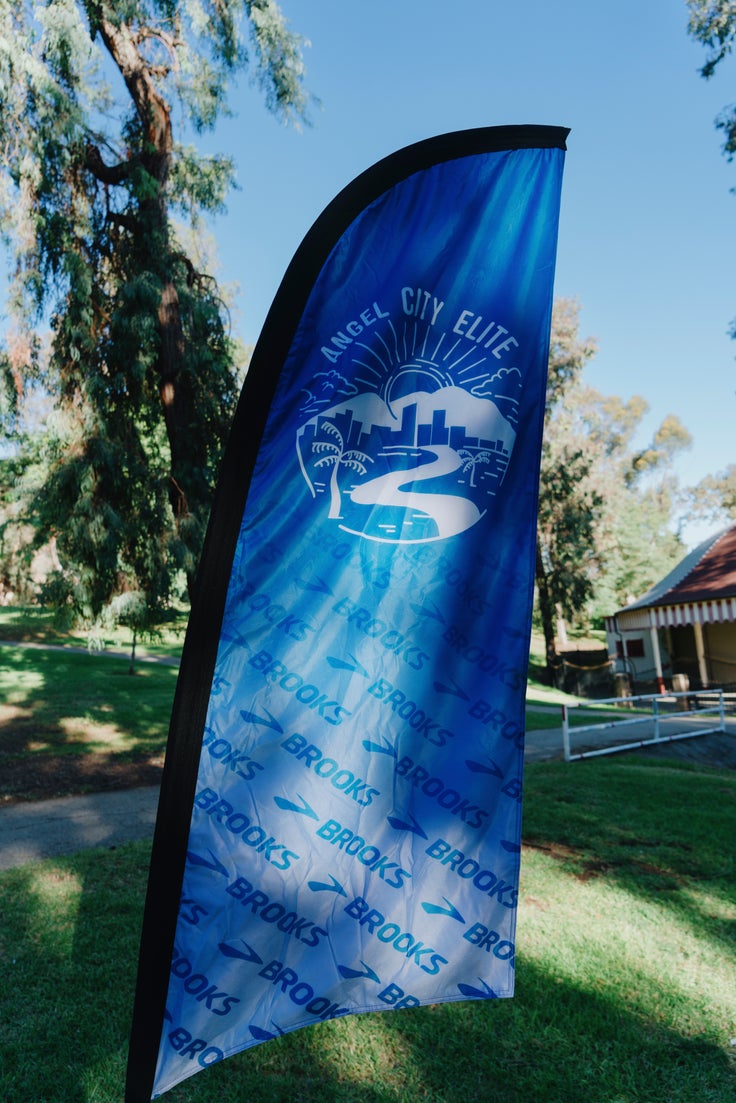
{"x": 548, "y": 614}
{"x": 335, "y": 497}
{"x": 176, "y": 409}
{"x": 155, "y": 116}
{"x": 561, "y": 627}
{"x": 131, "y": 664}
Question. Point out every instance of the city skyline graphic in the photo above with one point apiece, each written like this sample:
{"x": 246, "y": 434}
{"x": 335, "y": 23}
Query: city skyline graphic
{"x": 415, "y": 446}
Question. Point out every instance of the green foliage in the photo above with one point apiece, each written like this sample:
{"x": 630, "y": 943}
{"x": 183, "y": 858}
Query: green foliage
{"x": 567, "y": 503}
{"x": 714, "y": 498}
{"x": 638, "y": 548}
{"x": 605, "y": 508}
{"x": 568, "y": 352}
{"x": 713, "y": 24}
{"x": 634, "y": 541}
{"x": 8, "y": 393}
{"x": 567, "y": 515}
{"x": 669, "y": 439}
{"x": 142, "y": 366}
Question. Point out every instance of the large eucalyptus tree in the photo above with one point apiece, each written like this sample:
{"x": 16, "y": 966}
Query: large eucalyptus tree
{"x": 100, "y": 104}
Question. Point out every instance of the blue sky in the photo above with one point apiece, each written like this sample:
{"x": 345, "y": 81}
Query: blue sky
{"x": 648, "y": 226}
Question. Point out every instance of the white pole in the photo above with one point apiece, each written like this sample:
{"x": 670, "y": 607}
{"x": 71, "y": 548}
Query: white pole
{"x": 700, "y": 651}
{"x": 657, "y": 658}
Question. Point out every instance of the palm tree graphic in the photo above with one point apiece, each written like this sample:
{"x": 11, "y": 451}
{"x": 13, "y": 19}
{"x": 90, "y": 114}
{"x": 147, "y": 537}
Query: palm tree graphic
{"x": 470, "y": 461}
{"x": 333, "y": 453}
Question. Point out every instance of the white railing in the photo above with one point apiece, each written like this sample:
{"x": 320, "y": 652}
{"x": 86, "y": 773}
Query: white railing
{"x": 662, "y": 712}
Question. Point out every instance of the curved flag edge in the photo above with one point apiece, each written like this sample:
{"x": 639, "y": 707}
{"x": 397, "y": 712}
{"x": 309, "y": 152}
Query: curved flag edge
{"x": 191, "y": 700}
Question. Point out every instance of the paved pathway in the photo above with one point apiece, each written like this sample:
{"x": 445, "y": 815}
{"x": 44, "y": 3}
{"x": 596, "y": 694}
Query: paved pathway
{"x": 31, "y": 831}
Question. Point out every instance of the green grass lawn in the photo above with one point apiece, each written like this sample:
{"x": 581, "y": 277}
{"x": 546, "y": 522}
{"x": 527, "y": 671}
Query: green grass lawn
{"x": 74, "y": 703}
{"x": 626, "y": 965}
{"x": 60, "y": 710}
{"x": 626, "y": 969}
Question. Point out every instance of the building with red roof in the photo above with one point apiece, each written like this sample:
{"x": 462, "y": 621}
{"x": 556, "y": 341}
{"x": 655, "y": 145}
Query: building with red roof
{"x": 684, "y": 627}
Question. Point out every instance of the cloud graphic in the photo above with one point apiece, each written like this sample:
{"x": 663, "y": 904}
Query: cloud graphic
{"x": 327, "y": 387}
{"x": 500, "y": 381}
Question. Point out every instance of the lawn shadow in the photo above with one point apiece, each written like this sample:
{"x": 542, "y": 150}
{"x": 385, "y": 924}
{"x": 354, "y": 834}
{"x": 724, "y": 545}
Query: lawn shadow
{"x": 70, "y": 935}
{"x": 557, "y": 1043}
{"x": 660, "y": 831}
{"x": 69, "y": 978}
{"x": 69, "y": 722}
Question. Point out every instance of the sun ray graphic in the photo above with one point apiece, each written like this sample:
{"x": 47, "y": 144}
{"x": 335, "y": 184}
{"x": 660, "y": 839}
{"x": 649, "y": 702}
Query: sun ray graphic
{"x": 414, "y": 357}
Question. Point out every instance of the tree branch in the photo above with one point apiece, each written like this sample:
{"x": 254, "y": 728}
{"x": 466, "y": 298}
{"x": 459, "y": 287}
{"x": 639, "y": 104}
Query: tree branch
{"x": 106, "y": 174}
{"x": 168, "y": 41}
{"x": 193, "y": 276}
{"x": 125, "y": 221}
{"x": 153, "y": 110}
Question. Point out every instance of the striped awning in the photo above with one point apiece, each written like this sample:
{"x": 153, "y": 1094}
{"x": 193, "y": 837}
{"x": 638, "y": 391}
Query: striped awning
{"x": 722, "y": 611}
{"x": 700, "y": 612}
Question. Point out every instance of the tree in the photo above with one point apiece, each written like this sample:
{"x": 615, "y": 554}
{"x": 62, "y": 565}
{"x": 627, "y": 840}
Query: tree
{"x": 470, "y": 460}
{"x": 96, "y": 100}
{"x": 567, "y": 503}
{"x": 566, "y": 545}
{"x": 606, "y": 506}
{"x": 713, "y": 24}
{"x": 635, "y": 539}
{"x": 714, "y": 498}
{"x": 333, "y": 455}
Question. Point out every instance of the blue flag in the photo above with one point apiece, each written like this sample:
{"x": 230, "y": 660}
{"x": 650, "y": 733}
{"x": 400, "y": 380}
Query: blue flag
{"x": 339, "y": 823}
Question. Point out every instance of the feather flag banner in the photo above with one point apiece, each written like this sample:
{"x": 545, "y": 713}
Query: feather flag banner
{"x": 339, "y": 820}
